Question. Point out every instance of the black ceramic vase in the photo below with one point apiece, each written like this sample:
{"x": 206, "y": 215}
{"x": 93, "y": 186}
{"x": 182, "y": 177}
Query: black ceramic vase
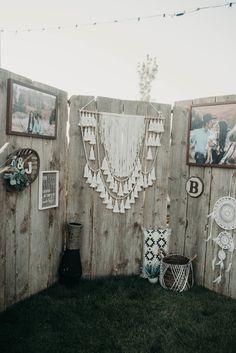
{"x": 70, "y": 269}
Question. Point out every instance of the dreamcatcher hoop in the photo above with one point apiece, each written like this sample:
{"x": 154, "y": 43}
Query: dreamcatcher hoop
{"x": 224, "y": 212}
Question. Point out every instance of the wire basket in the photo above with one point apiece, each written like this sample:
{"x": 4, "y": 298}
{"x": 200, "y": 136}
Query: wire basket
{"x": 176, "y": 273}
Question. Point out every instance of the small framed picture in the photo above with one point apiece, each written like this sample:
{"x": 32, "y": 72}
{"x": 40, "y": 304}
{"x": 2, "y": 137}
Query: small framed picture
{"x": 48, "y": 189}
{"x": 31, "y": 111}
{"x": 212, "y": 135}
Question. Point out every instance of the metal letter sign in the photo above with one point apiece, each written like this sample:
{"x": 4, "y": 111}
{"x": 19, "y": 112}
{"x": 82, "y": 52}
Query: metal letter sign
{"x": 194, "y": 186}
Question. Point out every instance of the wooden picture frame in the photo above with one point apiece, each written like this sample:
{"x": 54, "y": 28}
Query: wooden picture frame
{"x": 48, "y": 189}
{"x": 212, "y": 135}
{"x": 31, "y": 111}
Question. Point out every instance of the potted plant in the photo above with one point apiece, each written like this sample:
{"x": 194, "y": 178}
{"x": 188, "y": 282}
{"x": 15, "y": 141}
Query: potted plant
{"x": 152, "y": 272}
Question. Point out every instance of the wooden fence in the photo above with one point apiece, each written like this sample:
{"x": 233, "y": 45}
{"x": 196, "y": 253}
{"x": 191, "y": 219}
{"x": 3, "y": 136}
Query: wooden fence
{"x": 31, "y": 241}
{"x": 189, "y": 221}
{"x": 112, "y": 244}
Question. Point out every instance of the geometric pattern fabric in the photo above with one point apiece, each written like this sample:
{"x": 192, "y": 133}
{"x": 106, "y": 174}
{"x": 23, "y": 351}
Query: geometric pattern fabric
{"x": 156, "y": 244}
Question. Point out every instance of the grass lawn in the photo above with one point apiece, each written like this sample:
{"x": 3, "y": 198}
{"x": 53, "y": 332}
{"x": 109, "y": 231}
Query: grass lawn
{"x": 123, "y": 315}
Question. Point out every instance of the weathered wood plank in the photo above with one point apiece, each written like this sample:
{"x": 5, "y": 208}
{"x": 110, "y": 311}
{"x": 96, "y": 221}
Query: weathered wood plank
{"x": 106, "y": 234}
{"x": 80, "y": 195}
{"x": 216, "y": 185}
{"x": 26, "y": 233}
{"x": 196, "y": 214}
{"x": 179, "y": 173}
{"x": 156, "y": 196}
{"x": 131, "y": 235}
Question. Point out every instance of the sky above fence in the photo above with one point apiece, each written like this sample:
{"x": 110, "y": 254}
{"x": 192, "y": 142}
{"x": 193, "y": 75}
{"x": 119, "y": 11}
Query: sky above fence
{"x": 70, "y": 45}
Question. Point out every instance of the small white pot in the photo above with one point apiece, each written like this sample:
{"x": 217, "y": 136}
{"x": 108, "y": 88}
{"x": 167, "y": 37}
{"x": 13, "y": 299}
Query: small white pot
{"x": 153, "y": 280}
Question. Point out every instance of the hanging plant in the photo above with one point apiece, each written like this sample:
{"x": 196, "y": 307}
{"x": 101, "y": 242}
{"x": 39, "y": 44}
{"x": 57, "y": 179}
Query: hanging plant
{"x": 16, "y": 180}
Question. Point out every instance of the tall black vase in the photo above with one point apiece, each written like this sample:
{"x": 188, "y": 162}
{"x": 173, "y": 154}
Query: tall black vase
{"x": 70, "y": 269}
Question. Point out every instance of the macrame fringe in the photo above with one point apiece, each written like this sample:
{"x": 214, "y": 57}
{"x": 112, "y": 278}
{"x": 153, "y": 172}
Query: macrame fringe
{"x": 125, "y": 178}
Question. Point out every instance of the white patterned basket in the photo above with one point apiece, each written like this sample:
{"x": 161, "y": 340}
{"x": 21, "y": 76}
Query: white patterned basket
{"x": 176, "y": 273}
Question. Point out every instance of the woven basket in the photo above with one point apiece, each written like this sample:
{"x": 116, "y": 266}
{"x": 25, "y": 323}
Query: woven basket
{"x": 176, "y": 273}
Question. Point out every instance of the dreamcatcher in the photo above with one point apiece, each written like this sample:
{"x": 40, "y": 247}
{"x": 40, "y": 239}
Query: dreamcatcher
{"x": 120, "y": 152}
{"x": 224, "y": 214}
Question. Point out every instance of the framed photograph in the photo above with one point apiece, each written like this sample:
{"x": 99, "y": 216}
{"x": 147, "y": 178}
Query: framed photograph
{"x": 48, "y": 189}
{"x": 31, "y": 111}
{"x": 212, "y": 135}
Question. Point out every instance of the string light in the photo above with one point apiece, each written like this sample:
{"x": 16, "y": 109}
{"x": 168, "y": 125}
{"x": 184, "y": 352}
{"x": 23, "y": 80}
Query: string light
{"x": 132, "y": 19}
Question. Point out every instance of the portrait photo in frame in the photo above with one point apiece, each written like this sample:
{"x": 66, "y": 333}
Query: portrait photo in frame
{"x": 31, "y": 111}
{"x": 212, "y": 135}
{"x": 48, "y": 189}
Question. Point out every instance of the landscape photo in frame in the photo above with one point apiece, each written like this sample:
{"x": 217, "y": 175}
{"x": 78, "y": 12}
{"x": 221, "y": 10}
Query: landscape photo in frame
{"x": 31, "y": 111}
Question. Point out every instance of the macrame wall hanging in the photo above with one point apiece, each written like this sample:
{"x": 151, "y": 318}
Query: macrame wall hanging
{"x": 156, "y": 245}
{"x": 120, "y": 151}
{"x": 224, "y": 214}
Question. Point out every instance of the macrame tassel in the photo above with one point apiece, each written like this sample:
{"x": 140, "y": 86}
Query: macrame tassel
{"x": 138, "y": 186}
{"x": 106, "y": 200}
{"x": 120, "y": 192}
{"x": 90, "y": 178}
{"x": 151, "y": 125}
{"x": 149, "y": 154}
{"x": 157, "y": 141}
{"x": 132, "y": 200}
{"x": 86, "y": 169}
{"x": 153, "y": 174}
{"x": 136, "y": 172}
{"x": 141, "y": 180}
{"x": 91, "y": 155}
{"x": 86, "y": 135}
{"x": 135, "y": 192}
{"x": 104, "y": 164}
{"x": 103, "y": 192}
{"x": 130, "y": 185}
{"x": 155, "y": 126}
{"x": 106, "y": 172}
{"x": 81, "y": 122}
{"x": 92, "y": 139}
{"x": 138, "y": 164}
{"x": 133, "y": 179}
{"x": 161, "y": 127}
{"x": 89, "y": 134}
{"x": 93, "y": 120}
{"x": 109, "y": 178}
{"x": 109, "y": 204}
{"x": 99, "y": 180}
{"x": 149, "y": 180}
{"x": 115, "y": 188}
{"x": 94, "y": 181}
{"x": 127, "y": 204}
{"x": 116, "y": 207}
{"x": 145, "y": 183}
{"x": 122, "y": 207}
{"x": 150, "y": 140}
{"x": 100, "y": 187}
{"x": 125, "y": 189}
{"x": 111, "y": 186}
